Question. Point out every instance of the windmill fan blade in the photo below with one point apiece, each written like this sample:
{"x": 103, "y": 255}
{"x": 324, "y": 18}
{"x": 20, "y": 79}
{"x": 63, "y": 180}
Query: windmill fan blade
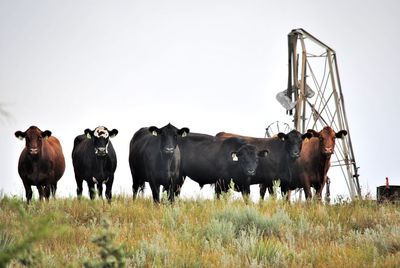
{"x": 285, "y": 100}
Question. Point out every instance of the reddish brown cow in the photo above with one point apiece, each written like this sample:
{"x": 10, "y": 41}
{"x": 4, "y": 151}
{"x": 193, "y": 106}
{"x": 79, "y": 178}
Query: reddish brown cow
{"x": 41, "y": 162}
{"x": 311, "y": 168}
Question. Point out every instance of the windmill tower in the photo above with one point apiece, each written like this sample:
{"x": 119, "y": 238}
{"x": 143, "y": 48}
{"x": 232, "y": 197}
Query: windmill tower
{"x": 314, "y": 98}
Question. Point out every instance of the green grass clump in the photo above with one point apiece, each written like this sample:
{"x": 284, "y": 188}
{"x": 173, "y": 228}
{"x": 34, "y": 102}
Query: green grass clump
{"x": 198, "y": 233}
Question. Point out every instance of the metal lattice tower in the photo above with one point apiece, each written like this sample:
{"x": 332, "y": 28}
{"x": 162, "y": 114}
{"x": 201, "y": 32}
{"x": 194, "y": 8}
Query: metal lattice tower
{"x": 314, "y": 86}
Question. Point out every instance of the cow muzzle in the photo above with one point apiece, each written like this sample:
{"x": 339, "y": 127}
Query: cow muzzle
{"x": 169, "y": 150}
{"x": 295, "y": 154}
{"x": 328, "y": 151}
{"x": 251, "y": 172}
{"x": 33, "y": 151}
{"x": 101, "y": 151}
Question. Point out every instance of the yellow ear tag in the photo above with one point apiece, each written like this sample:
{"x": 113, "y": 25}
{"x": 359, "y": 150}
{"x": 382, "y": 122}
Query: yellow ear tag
{"x": 184, "y": 134}
{"x": 88, "y": 136}
{"x": 154, "y": 133}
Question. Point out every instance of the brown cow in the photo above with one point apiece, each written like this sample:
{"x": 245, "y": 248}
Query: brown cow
{"x": 311, "y": 168}
{"x": 41, "y": 162}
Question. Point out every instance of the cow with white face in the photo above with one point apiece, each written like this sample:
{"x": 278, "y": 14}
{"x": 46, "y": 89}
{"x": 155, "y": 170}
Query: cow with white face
{"x": 95, "y": 161}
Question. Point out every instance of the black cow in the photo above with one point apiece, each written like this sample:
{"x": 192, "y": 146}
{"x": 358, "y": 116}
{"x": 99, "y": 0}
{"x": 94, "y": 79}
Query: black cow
{"x": 95, "y": 161}
{"x": 212, "y": 160}
{"x": 283, "y": 149}
{"x": 154, "y": 156}
{"x": 41, "y": 162}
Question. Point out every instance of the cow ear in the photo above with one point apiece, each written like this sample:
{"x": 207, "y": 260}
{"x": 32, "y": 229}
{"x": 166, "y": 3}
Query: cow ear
{"x": 341, "y": 134}
{"x": 183, "y": 132}
{"x": 282, "y": 136}
{"x": 313, "y": 133}
{"x": 307, "y": 135}
{"x": 155, "y": 131}
{"x": 234, "y": 156}
{"x": 20, "y": 135}
{"x": 46, "y": 134}
{"x": 263, "y": 153}
{"x": 113, "y": 133}
{"x": 88, "y": 133}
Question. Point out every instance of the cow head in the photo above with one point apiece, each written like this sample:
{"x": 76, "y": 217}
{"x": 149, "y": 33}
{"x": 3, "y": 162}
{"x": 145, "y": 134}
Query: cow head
{"x": 247, "y": 158}
{"x": 33, "y": 139}
{"x": 327, "y": 137}
{"x": 101, "y": 137}
{"x": 293, "y": 142}
{"x": 169, "y": 137}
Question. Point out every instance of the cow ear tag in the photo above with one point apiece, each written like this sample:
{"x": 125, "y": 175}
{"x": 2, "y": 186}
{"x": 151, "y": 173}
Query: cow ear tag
{"x": 234, "y": 157}
{"x": 184, "y": 134}
{"x": 154, "y": 133}
{"x": 88, "y": 136}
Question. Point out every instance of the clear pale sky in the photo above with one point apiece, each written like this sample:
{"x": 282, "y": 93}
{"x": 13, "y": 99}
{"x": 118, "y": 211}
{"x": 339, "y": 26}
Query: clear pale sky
{"x": 208, "y": 65}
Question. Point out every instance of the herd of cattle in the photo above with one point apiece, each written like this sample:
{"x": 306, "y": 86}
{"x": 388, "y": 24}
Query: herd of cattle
{"x": 166, "y": 156}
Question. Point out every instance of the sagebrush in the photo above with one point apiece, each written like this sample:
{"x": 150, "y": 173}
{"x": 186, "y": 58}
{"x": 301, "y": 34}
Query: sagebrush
{"x": 198, "y": 233}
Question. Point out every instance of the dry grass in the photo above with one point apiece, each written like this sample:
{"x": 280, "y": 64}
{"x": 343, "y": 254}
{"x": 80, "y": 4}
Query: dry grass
{"x": 206, "y": 233}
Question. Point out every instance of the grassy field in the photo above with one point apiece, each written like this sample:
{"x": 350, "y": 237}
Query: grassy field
{"x": 198, "y": 233}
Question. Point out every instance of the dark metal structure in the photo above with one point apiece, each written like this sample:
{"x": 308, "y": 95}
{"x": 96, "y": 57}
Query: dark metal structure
{"x": 314, "y": 87}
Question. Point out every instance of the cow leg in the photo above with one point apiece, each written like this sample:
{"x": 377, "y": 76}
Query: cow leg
{"x": 46, "y": 192}
{"x": 270, "y": 190}
{"x": 221, "y": 186}
{"x": 217, "y": 189}
{"x": 307, "y": 192}
{"x": 28, "y": 192}
{"x": 40, "y": 189}
{"x": 100, "y": 189}
{"x": 171, "y": 194}
{"x": 318, "y": 192}
{"x": 173, "y": 189}
{"x": 245, "y": 189}
{"x": 92, "y": 189}
{"x": 246, "y": 193}
{"x": 263, "y": 190}
{"x": 53, "y": 189}
{"x": 288, "y": 195}
{"x": 136, "y": 183}
{"x": 135, "y": 188}
{"x": 109, "y": 184}
{"x": 155, "y": 189}
{"x": 79, "y": 188}
{"x": 179, "y": 186}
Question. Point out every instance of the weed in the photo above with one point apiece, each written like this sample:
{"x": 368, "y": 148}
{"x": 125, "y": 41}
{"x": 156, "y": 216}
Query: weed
{"x": 32, "y": 228}
{"x": 110, "y": 255}
{"x": 198, "y": 233}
